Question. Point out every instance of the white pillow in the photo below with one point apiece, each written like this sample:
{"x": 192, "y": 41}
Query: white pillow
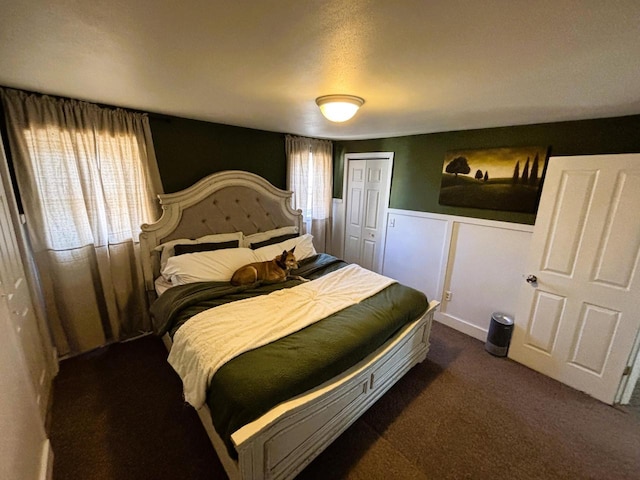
{"x": 162, "y": 285}
{"x": 167, "y": 249}
{"x": 304, "y": 248}
{"x": 262, "y": 236}
{"x": 214, "y": 266}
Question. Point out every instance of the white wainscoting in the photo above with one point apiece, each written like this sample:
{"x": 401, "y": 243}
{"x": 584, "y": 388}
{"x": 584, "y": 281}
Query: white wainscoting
{"x": 415, "y": 251}
{"x": 481, "y": 262}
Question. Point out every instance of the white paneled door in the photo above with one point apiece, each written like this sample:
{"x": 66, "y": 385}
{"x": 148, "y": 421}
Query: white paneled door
{"x": 368, "y": 185}
{"x": 16, "y": 298}
{"x": 579, "y": 309}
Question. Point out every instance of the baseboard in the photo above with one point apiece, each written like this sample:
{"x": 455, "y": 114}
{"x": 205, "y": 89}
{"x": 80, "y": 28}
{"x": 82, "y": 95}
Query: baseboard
{"x": 462, "y": 326}
{"x": 46, "y": 462}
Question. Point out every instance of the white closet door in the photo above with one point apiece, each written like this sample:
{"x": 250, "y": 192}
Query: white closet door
{"x": 367, "y": 192}
{"x": 355, "y": 211}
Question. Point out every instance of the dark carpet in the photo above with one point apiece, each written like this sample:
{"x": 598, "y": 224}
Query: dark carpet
{"x": 462, "y": 414}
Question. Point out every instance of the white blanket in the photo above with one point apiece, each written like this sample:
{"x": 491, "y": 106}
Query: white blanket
{"x": 213, "y": 337}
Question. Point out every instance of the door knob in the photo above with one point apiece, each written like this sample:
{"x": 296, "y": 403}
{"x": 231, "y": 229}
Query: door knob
{"x": 532, "y": 279}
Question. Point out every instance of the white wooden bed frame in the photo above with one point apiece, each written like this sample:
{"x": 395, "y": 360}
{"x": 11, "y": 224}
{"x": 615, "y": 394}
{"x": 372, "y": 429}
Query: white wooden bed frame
{"x": 279, "y": 444}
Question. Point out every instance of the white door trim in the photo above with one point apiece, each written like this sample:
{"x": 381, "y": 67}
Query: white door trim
{"x": 387, "y": 190}
{"x": 629, "y": 380}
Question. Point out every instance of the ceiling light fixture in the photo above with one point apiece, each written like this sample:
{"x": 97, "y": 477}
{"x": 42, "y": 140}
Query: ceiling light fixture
{"x": 339, "y": 108}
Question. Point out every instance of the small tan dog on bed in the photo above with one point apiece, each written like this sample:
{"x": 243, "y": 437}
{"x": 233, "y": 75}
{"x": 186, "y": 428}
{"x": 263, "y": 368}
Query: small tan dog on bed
{"x": 272, "y": 271}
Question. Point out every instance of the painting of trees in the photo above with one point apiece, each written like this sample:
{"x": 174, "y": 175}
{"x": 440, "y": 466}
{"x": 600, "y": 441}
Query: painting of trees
{"x": 514, "y": 183}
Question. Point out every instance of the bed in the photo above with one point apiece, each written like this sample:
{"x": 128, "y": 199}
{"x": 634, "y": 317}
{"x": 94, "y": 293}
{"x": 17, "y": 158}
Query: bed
{"x": 271, "y": 405}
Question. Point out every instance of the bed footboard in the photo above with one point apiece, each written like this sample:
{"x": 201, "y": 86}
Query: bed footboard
{"x": 282, "y": 442}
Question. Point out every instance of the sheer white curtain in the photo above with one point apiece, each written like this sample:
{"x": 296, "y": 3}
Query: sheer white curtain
{"x": 310, "y": 176}
{"x": 87, "y": 178}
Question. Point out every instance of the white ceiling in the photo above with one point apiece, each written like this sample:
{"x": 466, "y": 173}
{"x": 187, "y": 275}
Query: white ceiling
{"x": 421, "y": 65}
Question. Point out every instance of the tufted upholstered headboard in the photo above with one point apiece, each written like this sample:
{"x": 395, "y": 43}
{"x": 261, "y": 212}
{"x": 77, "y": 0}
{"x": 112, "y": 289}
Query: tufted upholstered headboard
{"x": 224, "y": 202}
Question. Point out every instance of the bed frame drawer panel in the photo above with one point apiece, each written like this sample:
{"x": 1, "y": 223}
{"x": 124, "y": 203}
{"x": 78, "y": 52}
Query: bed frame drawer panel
{"x": 309, "y": 429}
{"x": 406, "y": 354}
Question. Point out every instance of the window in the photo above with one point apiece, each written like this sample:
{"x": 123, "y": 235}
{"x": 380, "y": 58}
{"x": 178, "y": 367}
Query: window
{"x": 310, "y": 177}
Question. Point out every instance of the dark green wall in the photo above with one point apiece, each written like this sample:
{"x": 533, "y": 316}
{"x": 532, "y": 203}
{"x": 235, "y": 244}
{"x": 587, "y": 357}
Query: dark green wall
{"x": 418, "y": 159}
{"x": 188, "y": 150}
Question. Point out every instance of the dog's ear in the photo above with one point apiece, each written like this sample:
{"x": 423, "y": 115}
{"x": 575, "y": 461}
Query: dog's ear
{"x": 284, "y": 254}
{"x": 293, "y": 249}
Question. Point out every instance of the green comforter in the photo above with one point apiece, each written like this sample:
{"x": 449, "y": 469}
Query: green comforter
{"x": 256, "y": 381}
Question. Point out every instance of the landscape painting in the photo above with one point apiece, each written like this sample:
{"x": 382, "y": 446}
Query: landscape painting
{"x": 495, "y": 178}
